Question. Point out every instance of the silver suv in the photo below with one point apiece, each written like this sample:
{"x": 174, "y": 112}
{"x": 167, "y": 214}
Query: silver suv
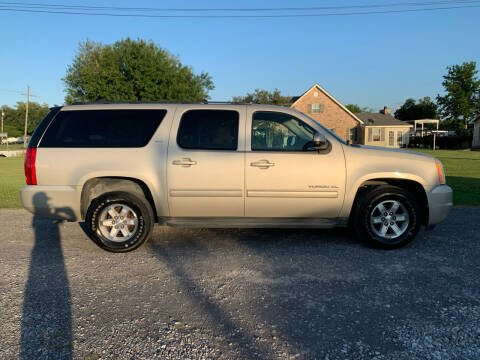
{"x": 123, "y": 167}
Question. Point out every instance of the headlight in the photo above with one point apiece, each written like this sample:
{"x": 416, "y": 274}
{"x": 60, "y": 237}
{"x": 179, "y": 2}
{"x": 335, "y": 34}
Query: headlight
{"x": 440, "y": 172}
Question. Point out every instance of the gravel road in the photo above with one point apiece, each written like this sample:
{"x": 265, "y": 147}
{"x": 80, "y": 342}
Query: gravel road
{"x": 233, "y": 294}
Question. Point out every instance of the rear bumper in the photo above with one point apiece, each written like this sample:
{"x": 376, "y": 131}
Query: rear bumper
{"x": 440, "y": 202}
{"x": 55, "y": 202}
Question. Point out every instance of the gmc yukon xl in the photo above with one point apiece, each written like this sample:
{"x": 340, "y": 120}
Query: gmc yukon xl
{"x": 123, "y": 167}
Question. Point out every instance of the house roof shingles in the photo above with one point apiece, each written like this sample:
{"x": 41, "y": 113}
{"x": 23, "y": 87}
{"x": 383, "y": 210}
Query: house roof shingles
{"x": 379, "y": 119}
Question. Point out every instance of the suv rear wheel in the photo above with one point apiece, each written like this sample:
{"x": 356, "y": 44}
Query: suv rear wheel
{"x": 119, "y": 221}
{"x": 387, "y": 217}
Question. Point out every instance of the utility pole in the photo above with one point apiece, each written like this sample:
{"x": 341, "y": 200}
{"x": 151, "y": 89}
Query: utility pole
{"x": 26, "y": 116}
{"x": 1, "y": 131}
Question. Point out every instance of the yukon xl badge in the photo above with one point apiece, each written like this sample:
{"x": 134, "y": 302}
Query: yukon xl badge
{"x": 323, "y": 187}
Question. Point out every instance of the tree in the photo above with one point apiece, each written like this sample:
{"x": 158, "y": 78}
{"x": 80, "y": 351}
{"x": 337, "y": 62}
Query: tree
{"x": 354, "y": 108}
{"x": 131, "y": 70}
{"x": 264, "y": 97}
{"x": 15, "y": 117}
{"x": 412, "y": 110}
{"x": 461, "y": 102}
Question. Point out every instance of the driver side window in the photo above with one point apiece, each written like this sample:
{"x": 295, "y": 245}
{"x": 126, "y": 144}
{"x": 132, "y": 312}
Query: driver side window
{"x": 275, "y": 131}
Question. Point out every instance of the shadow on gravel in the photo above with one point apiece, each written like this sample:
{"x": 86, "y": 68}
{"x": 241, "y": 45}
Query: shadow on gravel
{"x": 198, "y": 257}
{"x": 244, "y": 343}
{"x": 308, "y": 293}
{"x": 323, "y": 294}
{"x": 46, "y": 330}
{"x": 329, "y": 296}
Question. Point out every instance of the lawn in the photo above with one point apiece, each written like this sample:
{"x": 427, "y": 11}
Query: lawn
{"x": 461, "y": 167}
{"x": 12, "y": 147}
{"x": 12, "y": 179}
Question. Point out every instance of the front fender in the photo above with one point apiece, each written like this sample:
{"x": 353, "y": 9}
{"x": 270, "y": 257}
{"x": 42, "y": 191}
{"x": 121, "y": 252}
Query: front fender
{"x": 354, "y": 185}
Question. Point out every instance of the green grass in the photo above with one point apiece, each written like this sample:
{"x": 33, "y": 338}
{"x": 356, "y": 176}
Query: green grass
{"x": 12, "y": 179}
{"x": 461, "y": 167}
{"x": 12, "y": 147}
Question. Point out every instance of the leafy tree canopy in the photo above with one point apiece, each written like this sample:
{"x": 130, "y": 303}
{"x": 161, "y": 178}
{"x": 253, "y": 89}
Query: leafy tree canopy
{"x": 131, "y": 70}
{"x": 414, "y": 110}
{"x": 264, "y": 97}
{"x": 14, "y": 121}
{"x": 461, "y": 101}
{"x": 354, "y": 108}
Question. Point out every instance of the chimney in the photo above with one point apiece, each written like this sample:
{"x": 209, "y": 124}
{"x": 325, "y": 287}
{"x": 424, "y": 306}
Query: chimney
{"x": 386, "y": 110}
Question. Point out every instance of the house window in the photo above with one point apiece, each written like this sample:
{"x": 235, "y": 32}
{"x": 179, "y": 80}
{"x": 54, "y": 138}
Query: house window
{"x": 376, "y": 134}
{"x": 315, "y": 108}
{"x": 391, "y": 138}
{"x": 353, "y": 135}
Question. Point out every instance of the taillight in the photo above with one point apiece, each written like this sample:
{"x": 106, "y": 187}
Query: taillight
{"x": 30, "y": 172}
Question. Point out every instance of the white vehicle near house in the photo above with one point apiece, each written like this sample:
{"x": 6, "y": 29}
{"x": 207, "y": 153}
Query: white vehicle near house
{"x": 20, "y": 140}
{"x": 123, "y": 167}
{"x": 12, "y": 140}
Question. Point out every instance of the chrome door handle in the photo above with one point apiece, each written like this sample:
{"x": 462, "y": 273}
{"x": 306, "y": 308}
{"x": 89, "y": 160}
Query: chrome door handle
{"x": 262, "y": 164}
{"x": 185, "y": 162}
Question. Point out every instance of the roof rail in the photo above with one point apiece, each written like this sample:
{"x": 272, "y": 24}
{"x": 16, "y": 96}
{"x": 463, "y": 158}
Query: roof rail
{"x": 227, "y": 102}
{"x": 203, "y": 101}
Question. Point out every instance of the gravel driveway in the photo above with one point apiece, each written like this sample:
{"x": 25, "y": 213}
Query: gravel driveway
{"x": 239, "y": 294}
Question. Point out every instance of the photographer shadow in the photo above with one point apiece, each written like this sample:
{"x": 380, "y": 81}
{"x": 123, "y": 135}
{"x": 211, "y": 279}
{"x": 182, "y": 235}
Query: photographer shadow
{"x": 46, "y": 329}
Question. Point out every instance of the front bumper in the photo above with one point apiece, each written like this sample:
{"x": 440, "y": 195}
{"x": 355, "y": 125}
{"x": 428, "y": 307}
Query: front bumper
{"x": 55, "y": 202}
{"x": 440, "y": 202}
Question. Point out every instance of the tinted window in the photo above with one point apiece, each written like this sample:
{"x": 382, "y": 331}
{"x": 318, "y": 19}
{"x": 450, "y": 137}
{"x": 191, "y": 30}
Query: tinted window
{"x": 37, "y": 134}
{"x": 272, "y": 131}
{"x": 209, "y": 130}
{"x": 102, "y": 128}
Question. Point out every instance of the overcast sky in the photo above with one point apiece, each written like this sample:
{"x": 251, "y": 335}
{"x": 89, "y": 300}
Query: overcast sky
{"x": 371, "y": 60}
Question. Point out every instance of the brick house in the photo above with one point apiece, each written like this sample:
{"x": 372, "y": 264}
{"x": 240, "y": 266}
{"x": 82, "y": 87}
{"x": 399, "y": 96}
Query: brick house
{"x": 377, "y": 129}
{"x": 328, "y": 111}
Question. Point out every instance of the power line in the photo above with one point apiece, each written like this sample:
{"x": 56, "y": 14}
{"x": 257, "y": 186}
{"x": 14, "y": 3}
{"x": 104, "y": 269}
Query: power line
{"x": 239, "y": 16}
{"x": 116, "y": 8}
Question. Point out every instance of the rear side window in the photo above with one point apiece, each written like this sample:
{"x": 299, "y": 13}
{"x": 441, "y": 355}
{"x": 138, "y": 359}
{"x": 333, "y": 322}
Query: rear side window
{"x": 102, "y": 128}
{"x": 37, "y": 134}
{"x": 208, "y": 130}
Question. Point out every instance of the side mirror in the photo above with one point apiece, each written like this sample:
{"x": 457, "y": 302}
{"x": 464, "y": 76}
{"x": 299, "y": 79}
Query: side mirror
{"x": 320, "y": 142}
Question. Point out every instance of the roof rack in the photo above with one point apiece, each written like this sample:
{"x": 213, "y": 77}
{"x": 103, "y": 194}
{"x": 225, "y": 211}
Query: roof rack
{"x": 203, "y": 101}
{"x": 227, "y": 102}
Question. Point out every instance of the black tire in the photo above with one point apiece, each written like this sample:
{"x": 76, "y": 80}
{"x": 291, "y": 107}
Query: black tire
{"x": 140, "y": 231}
{"x": 366, "y": 207}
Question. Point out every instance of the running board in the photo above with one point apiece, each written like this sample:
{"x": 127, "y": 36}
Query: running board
{"x": 295, "y": 223}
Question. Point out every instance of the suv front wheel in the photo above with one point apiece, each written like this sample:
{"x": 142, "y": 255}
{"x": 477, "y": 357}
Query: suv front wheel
{"x": 119, "y": 221}
{"x": 387, "y": 217}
